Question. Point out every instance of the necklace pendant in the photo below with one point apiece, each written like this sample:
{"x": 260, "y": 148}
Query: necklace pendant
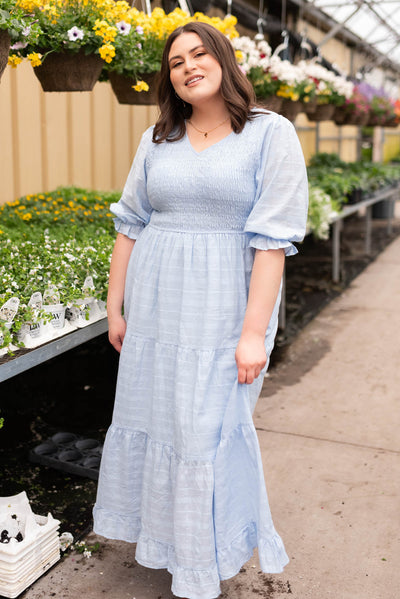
{"x": 205, "y": 134}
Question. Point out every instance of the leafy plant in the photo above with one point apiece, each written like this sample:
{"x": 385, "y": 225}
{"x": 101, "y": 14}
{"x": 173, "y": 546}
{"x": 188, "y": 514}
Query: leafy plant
{"x": 58, "y": 238}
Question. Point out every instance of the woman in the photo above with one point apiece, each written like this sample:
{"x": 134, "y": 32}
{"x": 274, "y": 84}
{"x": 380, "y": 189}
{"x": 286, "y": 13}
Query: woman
{"x": 216, "y": 194}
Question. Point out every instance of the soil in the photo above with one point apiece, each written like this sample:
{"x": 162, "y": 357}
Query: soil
{"x": 74, "y": 392}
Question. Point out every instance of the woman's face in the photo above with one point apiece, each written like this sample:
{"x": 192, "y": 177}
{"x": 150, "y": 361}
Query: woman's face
{"x": 195, "y": 74}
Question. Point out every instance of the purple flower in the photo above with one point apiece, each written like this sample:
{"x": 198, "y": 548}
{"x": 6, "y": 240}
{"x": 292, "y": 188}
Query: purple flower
{"x": 139, "y": 30}
{"x": 139, "y": 46}
{"x": 19, "y": 45}
{"x": 26, "y": 31}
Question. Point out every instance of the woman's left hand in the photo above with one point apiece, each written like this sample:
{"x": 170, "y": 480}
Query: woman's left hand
{"x": 250, "y": 356}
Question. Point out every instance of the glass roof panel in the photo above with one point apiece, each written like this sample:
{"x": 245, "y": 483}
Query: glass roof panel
{"x": 377, "y": 22}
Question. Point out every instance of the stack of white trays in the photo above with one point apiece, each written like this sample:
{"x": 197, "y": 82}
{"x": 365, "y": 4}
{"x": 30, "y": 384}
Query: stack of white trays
{"x": 21, "y": 563}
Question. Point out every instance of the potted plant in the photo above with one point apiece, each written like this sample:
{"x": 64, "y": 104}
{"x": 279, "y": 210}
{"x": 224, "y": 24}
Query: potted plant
{"x": 331, "y": 90}
{"x": 254, "y": 59}
{"x": 295, "y": 87}
{"x": 382, "y": 110}
{"x": 67, "y": 42}
{"x": 11, "y": 20}
{"x": 355, "y": 110}
{"x": 138, "y": 47}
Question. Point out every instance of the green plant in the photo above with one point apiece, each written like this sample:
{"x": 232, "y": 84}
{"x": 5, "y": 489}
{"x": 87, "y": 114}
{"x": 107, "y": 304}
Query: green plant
{"x": 264, "y": 84}
{"x": 66, "y": 25}
{"x": 58, "y": 238}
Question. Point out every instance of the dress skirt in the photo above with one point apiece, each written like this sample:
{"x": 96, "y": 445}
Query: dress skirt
{"x": 181, "y": 473}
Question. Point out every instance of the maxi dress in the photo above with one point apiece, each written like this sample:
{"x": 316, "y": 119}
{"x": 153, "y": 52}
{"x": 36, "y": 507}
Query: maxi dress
{"x": 181, "y": 472}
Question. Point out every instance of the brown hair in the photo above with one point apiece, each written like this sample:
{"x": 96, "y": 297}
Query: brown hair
{"x": 236, "y": 90}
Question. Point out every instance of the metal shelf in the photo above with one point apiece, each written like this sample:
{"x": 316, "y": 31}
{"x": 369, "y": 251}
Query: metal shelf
{"x": 30, "y": 358}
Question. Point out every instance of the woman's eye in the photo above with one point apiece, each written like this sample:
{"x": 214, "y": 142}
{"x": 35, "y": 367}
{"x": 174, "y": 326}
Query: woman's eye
{"x": 200, "y": 54}
{"x": 176, "y": 64}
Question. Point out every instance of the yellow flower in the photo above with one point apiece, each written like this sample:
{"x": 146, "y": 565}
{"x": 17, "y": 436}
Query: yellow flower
{"x": 107, "y": 52}
{"x": 239, "y": 56}
{"x": 141, "y": 86}
{"x": 35, "y": 58}
{"x": 27, "y": 216}
{"x": 14, "y": 60}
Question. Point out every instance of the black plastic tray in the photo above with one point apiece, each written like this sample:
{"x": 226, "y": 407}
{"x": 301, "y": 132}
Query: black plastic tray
{"x": 69, "y": 453}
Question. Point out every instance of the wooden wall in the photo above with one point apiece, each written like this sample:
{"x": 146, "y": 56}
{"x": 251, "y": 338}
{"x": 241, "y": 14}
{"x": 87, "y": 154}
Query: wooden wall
{"x": 49, "y": 139}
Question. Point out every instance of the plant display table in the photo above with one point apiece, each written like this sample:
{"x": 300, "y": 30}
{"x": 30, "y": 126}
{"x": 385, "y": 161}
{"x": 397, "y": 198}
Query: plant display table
{"x": 30, "y": 358}
{"x": 389, "y": 194}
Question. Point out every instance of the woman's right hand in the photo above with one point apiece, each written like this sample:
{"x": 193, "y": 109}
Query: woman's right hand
{"x": 116, "y": 331}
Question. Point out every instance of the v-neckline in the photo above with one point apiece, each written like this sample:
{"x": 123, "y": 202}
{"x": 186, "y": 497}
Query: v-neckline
{"x": 198, "y": 153}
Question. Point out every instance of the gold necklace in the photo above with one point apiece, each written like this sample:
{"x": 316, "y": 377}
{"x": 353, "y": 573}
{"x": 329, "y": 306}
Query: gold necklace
{"x": 205, "y": 133}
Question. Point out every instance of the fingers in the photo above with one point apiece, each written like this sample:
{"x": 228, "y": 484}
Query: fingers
{"x": 116, "y": 341}
{"x": 249, "y": 374}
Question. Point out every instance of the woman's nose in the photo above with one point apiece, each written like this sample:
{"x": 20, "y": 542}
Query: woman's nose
{"x": 189, "y": 64}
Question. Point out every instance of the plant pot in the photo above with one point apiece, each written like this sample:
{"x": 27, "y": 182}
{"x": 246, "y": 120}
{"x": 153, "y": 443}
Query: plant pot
{"x": 340, "y": 115}
{"x": 291, "y": 109}
{"x": 66, "y": 72}
{"x": 323, "y": 112}
{"x": 355, "y": 196}
{"x": 310, "y": 107}
{"x": 383, "y": 209}
{"x": 5, "y": 42}
{"x": 122, "y": 88}
{"x": 57, "y": 312}
{"x": 363, "y": 119}
{"x": 391, "y": 122}
{"x": 273, "y": 103}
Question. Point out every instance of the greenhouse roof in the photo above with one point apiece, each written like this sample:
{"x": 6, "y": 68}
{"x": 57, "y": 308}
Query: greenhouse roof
{"x": 375, "y": 22}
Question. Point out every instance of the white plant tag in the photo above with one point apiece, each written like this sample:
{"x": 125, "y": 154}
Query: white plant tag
{"x": 36, "y": 301}
{"x": 51, "y": 295}
{"x": 88, "y": 287}
{"x": 9, "y": 310}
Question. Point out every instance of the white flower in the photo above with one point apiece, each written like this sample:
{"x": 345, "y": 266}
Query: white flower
{"x": 123, "y": 28}
{"x": 75, "y": 34}
{"x": 139, "y": 30}
{"x": 26, "y": 31}
{"x": 87, "y": 553}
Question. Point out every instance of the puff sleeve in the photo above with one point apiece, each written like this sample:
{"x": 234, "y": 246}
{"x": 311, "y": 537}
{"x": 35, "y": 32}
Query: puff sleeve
{"x": 279, "y": 214}
{"x": 133, "y": 210}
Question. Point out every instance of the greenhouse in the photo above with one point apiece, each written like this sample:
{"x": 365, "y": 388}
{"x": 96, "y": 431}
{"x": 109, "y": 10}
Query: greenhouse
{"x": 277, "y": 128}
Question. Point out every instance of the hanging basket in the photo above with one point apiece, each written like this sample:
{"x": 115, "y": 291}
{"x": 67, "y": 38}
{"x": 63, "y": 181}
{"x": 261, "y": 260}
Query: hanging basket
{"x": 323, "y": 112}
{"x": 391, "y": 122}
{"x": 122, "y": 88}
{"x": 273, "y": 103}
{"x": 340, "y": 115}
{"x": 5, "y": 42}
{"x": 310, "y": 107}
{"x": 291, "y": 109}
{"x": 66, "y": 72}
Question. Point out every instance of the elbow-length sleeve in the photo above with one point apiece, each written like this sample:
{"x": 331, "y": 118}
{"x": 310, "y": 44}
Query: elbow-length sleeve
{"x": 133, "y": 210}
{"x": 279, "y": 214}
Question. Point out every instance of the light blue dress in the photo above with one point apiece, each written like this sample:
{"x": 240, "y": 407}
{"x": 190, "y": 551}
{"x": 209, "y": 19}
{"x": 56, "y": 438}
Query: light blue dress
{"x": 181, "y": 473}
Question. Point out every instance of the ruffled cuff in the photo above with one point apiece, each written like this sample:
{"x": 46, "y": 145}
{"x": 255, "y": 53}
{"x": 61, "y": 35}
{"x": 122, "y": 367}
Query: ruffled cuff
{"x": 130, "y": 230}
{"x": 262, "y": 242}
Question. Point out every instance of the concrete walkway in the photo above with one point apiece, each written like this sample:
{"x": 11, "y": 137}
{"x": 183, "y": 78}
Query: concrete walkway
{"x": 329, "y": 427}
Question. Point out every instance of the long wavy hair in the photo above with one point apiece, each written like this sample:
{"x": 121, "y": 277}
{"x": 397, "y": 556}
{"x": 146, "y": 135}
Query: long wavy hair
{"x": 236, "y": 90}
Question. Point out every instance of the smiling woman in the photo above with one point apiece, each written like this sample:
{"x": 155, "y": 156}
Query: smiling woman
{"x": 203, "y": 229}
